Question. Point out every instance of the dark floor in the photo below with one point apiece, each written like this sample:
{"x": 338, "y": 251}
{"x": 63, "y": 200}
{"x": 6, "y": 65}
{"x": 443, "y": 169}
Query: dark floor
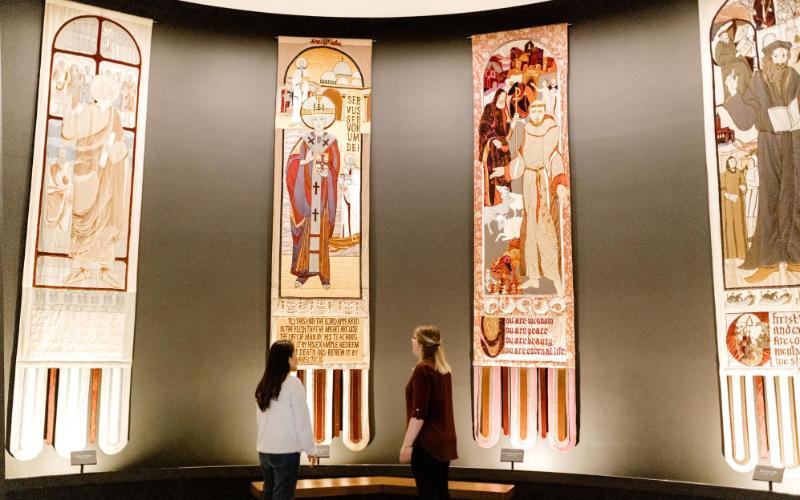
{"x": 238, "y": 488}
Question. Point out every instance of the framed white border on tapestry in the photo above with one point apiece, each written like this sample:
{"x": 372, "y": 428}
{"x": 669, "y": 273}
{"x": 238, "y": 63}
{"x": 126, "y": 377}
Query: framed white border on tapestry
{"x": 75, "y": 342}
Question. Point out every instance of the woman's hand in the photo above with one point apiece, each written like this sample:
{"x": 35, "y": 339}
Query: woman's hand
{"x": 405, "y": 455}
{"x": 313, "y": 460}
{"x": 414, "y": 427}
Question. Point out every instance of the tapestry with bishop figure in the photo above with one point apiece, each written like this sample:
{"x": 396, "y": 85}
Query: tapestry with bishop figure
{"x": 320, "y": 257}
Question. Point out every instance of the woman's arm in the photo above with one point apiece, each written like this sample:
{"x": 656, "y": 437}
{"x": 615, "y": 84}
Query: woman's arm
{"x": 414, "y": 426}
{"x": 420, "y": 399}
{"x": 302, "y": 422}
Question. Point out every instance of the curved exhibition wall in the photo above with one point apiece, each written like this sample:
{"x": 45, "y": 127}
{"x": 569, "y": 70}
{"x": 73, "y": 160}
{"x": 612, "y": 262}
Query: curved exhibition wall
{"x": 648, "y": 392}
{"x": 364, "y": 8}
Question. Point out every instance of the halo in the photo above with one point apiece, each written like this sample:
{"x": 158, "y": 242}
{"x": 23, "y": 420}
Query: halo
{"x": 104, "y": 89}
{"x": 315, "y": 106}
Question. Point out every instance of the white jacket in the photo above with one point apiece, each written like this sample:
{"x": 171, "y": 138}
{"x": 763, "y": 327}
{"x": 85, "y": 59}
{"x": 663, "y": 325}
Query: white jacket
{"x": 285, "y": 427}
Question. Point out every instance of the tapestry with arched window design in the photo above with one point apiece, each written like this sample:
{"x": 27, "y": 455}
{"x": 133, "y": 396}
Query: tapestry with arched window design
{"x": 71, "y": 382}
{"x": 320, "y": 252}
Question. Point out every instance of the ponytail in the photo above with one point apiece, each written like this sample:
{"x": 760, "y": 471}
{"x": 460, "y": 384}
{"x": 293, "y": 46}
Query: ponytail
{"x": 430, "y": 339}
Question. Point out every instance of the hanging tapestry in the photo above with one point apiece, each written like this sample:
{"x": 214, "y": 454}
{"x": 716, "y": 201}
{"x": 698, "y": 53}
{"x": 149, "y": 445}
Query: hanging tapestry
{"x": 750, "y": 61}
{"x": 71, "y": 381}
{"x": 523, "y": 314}
{"x": 320, "y": 252}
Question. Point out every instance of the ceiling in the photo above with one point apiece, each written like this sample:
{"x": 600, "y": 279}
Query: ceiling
{"x": 365, "y": 8}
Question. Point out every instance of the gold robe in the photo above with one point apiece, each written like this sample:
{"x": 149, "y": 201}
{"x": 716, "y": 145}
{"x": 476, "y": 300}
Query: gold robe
{"x": 99, "y": 211}
{"x": 734, "y": 232}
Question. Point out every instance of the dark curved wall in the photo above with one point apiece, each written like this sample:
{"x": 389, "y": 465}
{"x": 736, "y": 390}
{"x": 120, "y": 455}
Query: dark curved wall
{"x": 648, "y": 388}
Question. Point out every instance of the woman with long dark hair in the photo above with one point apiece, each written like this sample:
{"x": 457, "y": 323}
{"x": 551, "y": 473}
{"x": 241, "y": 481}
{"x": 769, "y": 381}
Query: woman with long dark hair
{"x": 430, "y": 441}
{"x": 284, "y": 423}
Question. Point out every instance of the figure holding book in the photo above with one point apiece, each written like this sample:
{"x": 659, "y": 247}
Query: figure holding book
{"x": 770, "y": 104}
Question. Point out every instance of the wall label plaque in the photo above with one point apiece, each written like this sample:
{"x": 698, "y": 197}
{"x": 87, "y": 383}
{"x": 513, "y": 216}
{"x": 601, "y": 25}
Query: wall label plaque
{"x": 769, "y": 474}
{"x": 512, "y": 455}
{"x": 87, "y": 457}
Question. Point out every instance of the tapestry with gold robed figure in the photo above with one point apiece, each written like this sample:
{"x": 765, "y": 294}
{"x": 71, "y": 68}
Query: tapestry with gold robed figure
{"x": 74, "y": 352}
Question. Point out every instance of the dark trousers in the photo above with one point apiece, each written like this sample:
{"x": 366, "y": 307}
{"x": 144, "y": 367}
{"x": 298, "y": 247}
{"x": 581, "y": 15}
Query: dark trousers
{"x": 430, "y": 474}
{"x": 280, "y": 474}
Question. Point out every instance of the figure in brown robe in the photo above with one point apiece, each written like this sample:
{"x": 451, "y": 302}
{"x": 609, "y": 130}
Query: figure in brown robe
{"x": 734, "y": 231}
{"x": 731, "y": 63}
{"x": 493, "y": 147}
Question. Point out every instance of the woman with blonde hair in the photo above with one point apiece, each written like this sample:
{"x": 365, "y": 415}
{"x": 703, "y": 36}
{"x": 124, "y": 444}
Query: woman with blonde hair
{"x": 430, "y": 441}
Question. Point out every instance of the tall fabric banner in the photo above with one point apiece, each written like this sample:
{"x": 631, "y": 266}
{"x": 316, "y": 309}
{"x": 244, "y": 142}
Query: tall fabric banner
{"x": 320, "y": 252}
{"x": 71, "y": 382}
{"x": 751, "y": 84}
{"x": 524, "y": 335}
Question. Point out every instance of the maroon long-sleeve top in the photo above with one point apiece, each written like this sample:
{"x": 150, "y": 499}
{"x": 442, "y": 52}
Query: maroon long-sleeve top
{"x": 429, "y": 397}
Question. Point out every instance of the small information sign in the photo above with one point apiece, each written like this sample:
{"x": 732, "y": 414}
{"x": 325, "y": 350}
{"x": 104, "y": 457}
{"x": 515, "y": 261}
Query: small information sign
{"x": 512, "y": 455}
{"x": 767, "y": 473}
{"x": 88, "y": 457}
